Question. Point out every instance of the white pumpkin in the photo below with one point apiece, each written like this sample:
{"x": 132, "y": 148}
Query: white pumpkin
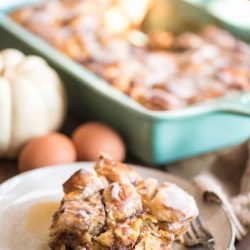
{"x": 32, "y": 100}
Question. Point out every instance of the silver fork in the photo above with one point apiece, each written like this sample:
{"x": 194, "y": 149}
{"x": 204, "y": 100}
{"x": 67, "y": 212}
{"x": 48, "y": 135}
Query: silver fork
{"x": 197, "y": 235}
{"x": 240, "y": 230}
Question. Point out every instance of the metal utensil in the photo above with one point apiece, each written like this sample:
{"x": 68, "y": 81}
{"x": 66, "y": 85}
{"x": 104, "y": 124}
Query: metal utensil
{"x": 197, "y": 235}
{"x": 240, "y": 230}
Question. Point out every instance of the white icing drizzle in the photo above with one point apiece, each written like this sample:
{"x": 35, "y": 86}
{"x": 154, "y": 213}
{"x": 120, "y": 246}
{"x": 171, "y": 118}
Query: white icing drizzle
{"x": 115, "y": 191}
{"x": 175, "y": 226}
{"x": 88, "y": 170}
{"x": 88, "y": 191}
{"x": 95, "y": 184}
{"x": 171, "y": 196}
{"x": 146, "y": 185}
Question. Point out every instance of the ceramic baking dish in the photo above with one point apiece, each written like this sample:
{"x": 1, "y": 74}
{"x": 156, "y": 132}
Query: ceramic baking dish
{"x": 153, "y": 137}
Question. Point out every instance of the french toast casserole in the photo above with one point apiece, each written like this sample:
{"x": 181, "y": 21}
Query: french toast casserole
{"x": 160, "y": 70}
{"x": 110, "y": 206}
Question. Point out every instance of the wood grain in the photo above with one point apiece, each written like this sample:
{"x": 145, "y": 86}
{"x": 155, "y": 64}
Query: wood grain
{"x": 8, "y": 169}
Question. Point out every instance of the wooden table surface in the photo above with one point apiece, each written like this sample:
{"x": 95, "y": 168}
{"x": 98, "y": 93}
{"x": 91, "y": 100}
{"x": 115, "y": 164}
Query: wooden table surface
{"x": 7, "y": 169}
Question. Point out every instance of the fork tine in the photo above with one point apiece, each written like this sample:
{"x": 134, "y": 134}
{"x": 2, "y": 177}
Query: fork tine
{"x": 188, "y": 234}
{"x": 210, "y": 240}
{"x": 198, "y": 235}
{"x": 205, "y": 232}
{"x": 195, "y": 230}
{"x": 189, "y": 238}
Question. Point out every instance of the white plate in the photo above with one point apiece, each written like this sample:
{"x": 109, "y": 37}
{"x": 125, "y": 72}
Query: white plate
{"x": 28, "y": 201}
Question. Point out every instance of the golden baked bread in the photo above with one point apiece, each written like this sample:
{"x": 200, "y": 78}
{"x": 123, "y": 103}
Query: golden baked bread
{"x": 110, "y": 206}
{"x": 87, "y": 181}
{"x": 116, "y": 171}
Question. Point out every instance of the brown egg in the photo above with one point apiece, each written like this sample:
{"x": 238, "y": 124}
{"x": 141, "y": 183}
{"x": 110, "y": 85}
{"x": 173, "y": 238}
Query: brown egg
{"x": 51, "y": 149}
{"x": 94, "y": 138}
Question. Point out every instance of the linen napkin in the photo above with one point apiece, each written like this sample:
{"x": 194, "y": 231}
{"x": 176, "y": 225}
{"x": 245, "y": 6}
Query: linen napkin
{"x": 227, "y": 175}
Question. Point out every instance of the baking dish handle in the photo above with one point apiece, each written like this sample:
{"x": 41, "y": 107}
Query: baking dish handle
{"x": 239, "y": 106}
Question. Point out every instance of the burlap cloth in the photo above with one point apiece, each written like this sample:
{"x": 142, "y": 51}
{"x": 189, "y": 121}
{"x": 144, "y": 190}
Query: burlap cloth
{"x": 226, "y": 172}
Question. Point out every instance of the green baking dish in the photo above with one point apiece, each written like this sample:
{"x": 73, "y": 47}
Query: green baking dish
{"x": 154, "y": 137}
